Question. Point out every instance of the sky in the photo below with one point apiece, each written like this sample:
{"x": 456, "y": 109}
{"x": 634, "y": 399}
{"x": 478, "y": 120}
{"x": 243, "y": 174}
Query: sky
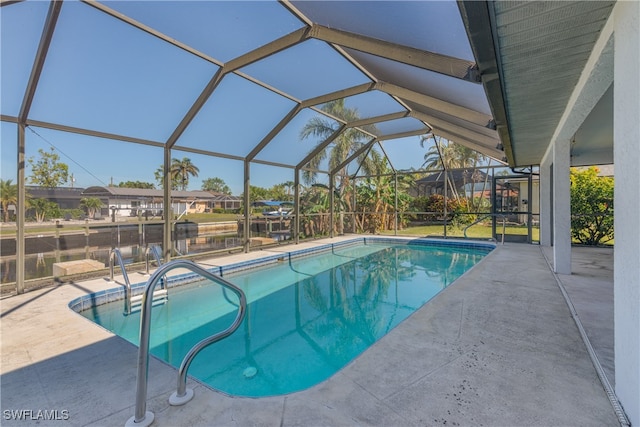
{"x": 104, "y": 75}
{"x": 101, "y": 162}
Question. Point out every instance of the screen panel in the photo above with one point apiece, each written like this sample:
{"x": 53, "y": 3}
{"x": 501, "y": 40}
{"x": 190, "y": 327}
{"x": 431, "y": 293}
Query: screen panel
{"x": 95, "y": 77}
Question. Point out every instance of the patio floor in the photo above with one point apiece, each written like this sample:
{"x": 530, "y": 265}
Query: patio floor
{"x": 498, "y": 347}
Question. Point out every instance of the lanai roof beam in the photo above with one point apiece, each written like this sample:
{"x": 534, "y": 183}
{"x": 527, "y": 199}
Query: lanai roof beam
{"x": 449, "y": 66}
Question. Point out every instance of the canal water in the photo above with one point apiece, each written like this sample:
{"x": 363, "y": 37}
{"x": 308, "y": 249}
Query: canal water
{"x": 43, "y": 250}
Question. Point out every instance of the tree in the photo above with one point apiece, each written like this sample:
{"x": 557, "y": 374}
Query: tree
{"x": 448, "y": 155}
{"x": 181, "y": 170}
{"x": 345, "y": 145}
{"x": 437, "y": 158}
{"x": 8, "y": 196}
{"x": 48, "y": 171}
{"x": 216, "y": 184}
{"x": 91, "y": 204}
{"x": 279, "y": 192}
{"x": 591, "y": 206}
{"x": 376, "y": 198}
{"x": 136, "y": 184}
{"x": 314, "y": 203}
{"x": 257, "y": 193}
{"x": 276, "y": 192}
{"x": 443, "y": 155}
{"x": 159, "y": 175}
{"x": 44, "y": 209}
{"x": 289, "y": 188}
{"x": 471, "y": 159}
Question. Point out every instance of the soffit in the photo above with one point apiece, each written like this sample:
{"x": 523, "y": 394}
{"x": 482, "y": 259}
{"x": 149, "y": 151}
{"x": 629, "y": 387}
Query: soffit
{"x": 592, "y": 144}
{"x": 542, "y": 48}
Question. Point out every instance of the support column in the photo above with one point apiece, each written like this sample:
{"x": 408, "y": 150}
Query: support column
{"x": 561, "y": 206}
{"x": 247, "y": 206}
{"x": 167, "y": 209}
{"x": 395, "y": 203}
{"x": 354, "y": 206}
{"x": 626, "y": 136}
{"x": 296, "y": 206}
{"x": 20, "y": 209}
{"x": 529, "y": 206}
{"x": 546, "y": 205}
{"x": 331, "y": 202}
{"x": 446, "y": 199}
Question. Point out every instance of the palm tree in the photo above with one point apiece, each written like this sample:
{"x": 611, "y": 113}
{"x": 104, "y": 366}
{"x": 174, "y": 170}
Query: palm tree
{"x": 181, "y": 170}
{"x": 441, "y": 155}
{"x": 347, "y": 143}
{"x": 92, "y": 204}
{"x": 448, "y": 155}
{"x": 289, "y": 187}
{"x": 159, "y": 175}
{"x": 471, "y": 159}
{"x": 476, "y": 159}
{"x": 384, "y": 192}
{"x": 313, "y": 204}
{"x": 8, "y": 196}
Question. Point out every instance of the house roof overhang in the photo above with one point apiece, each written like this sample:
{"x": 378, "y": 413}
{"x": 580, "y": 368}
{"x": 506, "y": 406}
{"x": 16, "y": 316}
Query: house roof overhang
{"x": 532, "y": 57}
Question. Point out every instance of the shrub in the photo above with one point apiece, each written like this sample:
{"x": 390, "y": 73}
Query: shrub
{"x": 42, "y": 209}
{"x": 418, "y": 204}
{"x": 72, "y": 213}
{"x": 591, "y": 207}
{"x": 460, "y": 209}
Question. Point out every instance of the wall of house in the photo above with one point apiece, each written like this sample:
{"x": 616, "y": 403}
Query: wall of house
{"x": 123, "y": 207}
{"x": 198, "y": 207}
{"x": 533, "y": 204}
{"x": 626, "y": 155}
{"x": 130, "y": 207}
{"x": 614, "y": 59}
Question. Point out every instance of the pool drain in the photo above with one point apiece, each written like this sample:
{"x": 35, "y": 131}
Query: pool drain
{"x": 250, "y": 372}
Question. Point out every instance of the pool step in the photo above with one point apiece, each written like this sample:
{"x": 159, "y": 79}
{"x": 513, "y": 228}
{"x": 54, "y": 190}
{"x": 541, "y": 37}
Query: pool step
{"x": 160, "y": 296}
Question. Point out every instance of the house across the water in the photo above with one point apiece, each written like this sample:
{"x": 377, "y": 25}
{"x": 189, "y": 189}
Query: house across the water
{"x": 149, "y": 202}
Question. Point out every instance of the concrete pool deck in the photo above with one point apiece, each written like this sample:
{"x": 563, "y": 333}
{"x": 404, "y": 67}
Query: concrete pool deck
{"x": 499, "y": 347}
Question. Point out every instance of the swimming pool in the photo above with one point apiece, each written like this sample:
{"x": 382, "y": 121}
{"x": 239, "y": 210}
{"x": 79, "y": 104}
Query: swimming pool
{"x": 307, "y": 315}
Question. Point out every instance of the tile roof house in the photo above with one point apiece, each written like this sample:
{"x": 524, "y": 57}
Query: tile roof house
{"x": 142, "y": 201}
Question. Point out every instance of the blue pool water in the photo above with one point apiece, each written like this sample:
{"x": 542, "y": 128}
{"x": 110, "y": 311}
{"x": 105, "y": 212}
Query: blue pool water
{"x": 307, "y": 317}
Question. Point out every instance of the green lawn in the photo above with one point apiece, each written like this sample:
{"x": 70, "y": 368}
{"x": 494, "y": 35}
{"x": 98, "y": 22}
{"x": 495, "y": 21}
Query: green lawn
{"x": 478, "y": 231}
{"x": 210, "y": 217}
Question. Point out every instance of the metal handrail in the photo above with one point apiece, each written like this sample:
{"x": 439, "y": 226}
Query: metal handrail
{"x": 143, "y": 417}
{"x": 224, "y": 293}
{"x": 153, "y": 250}
{"x": 115, "y": 253}
{"x": 504, "y": 224}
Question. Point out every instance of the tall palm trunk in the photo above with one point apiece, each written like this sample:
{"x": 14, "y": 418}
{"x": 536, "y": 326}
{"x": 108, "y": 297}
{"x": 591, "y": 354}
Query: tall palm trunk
{"x": 484, "y": 188}
{"x": 452, "y": 187}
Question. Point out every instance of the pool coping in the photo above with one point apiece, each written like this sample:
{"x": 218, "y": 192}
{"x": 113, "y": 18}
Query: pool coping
{"x": 86, "y": 302}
